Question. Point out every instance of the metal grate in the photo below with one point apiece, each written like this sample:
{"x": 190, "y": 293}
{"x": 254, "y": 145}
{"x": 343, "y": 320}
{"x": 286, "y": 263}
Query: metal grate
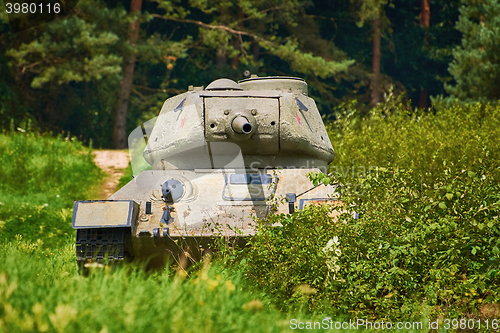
{"x": 99, "y": 243}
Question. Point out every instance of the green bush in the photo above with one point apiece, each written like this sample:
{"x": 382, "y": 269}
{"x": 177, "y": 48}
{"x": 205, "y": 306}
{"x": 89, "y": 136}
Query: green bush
{"x": 410, "y": 248}
{"x": 287, "y": 260}
{"x": 417, "y": 141}
{"x": 427, "y": 239}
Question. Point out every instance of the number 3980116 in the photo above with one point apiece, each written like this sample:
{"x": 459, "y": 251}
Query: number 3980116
{"x": 32, "y": 8}
{"x": 471, "y": 324}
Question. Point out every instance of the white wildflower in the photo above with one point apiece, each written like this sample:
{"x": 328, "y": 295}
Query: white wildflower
{"x": 332, "y": 254}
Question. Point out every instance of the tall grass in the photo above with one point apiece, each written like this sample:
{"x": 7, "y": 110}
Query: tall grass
{"x": 41, "y": 177}
{"x": 41, "y": 291}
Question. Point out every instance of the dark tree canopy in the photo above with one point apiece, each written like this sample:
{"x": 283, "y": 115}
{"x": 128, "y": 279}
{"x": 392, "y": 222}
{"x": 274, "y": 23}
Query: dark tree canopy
{"x": 69, "y": 74}
{"x": 476, "y": 63}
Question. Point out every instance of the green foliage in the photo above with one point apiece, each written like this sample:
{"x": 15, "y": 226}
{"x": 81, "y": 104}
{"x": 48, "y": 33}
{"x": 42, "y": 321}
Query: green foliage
{"x": 412, "y": 249}
{"x": 424, "y": 241}
{"x": 250, "y": 26}
{"x": 307, "y": 63}
{"x": 76, "y": 48}
{"x": 65, "y": 75}
{"x": 41, "y": 177}
{"x": 417, "y": 141}
{"x": 287, "y": 260}
{"x": 128, "y": 175}
{"x": 368, "y": 10}
{"x": 476, "y": 67}
{"x": 418, "y": 58}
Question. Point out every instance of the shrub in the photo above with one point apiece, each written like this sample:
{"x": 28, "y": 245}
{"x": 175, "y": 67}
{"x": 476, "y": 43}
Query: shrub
{"x": 409, "y": 247}
{"x": 417, "y": 141}
{"x": 427, "y": 237}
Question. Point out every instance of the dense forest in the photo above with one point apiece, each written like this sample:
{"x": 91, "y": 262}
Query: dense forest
{"x": 102, "y": 67}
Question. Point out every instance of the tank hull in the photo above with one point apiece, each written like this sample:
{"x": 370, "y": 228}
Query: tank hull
{"x": 215, "y": 203}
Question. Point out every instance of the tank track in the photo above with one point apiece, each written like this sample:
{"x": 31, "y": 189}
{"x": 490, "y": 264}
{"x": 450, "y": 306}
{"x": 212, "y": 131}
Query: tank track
{"x": 98, "y": 244}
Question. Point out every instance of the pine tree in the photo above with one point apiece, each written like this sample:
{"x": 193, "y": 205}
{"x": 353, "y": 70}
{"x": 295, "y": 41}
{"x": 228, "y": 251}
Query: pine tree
{"x": 79, "y": 47}
{"x": 476, "y": 64}
{"x": 90, "y": 45}
{"x": 234, "y": 29}
{"x": 49, "y": 67}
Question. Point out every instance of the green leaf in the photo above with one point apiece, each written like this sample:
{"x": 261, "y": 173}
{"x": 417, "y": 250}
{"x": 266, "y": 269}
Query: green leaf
{"x": 449, "y": 196}
{"x": 442, "y": 205}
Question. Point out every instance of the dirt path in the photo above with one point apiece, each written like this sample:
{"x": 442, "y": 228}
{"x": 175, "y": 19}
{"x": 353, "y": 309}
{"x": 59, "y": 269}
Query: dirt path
{"x": 112, "y": 162}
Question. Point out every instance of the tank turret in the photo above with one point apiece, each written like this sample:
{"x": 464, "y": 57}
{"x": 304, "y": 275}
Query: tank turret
{"x": 271, "y": 119}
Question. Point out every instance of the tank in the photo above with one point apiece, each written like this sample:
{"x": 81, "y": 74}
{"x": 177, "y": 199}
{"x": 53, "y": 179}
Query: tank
{"x": 214, "y": 162}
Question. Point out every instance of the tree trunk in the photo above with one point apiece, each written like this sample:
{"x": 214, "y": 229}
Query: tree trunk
{"x": 255, "y": 51}
{"x": 425, "y": 18}
{"x": 425, "y": 14}
{"x": 120, "y": 123}
{"x": 422, "y": 100}
{"x": 375, "y": 84}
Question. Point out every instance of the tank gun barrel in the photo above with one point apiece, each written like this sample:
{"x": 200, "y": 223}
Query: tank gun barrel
{"x": 241, "y": 125}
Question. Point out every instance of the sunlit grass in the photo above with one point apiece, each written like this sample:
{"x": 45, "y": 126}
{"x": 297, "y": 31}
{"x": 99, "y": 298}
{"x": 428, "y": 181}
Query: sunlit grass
{"x": 41, "y": 290}
{"x": 127, "y": 177}
{"x": 41, "y": 177}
